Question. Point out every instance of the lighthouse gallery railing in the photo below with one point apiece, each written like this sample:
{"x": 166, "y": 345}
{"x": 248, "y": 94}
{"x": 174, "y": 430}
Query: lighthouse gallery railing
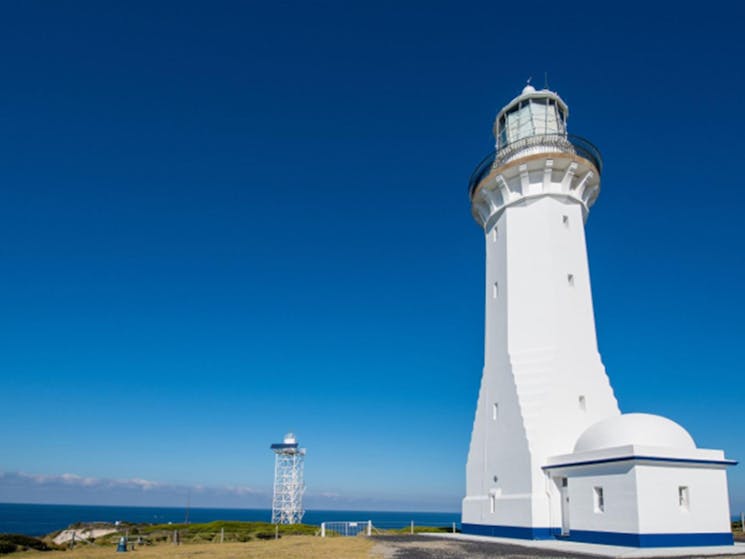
{"x": 564, "y": 143}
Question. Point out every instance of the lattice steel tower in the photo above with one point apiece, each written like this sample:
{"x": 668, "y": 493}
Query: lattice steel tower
{"x": 287, "y": 504}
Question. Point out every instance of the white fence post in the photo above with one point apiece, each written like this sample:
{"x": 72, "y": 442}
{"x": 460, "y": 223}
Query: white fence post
{"x": 453, "y": 527}
{"x": 222, "y": 534}
{"x": 323, "y": 529}
{"x": 369, "y": 527}
{"x": 742, "y": 522}
{"x": 412, "y": 527}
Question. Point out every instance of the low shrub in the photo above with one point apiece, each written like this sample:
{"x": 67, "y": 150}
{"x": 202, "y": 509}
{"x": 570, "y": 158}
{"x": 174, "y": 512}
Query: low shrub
{"x": 298, "y": 529}
{"x": 24, "y": 542}
{"x": 242, "y": 538}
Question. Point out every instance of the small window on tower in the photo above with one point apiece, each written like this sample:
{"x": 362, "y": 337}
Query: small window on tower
{"x": 570, "y": 279}
{"x": 565, "y": 220}
{"x": 598, "y": 499}
{"x": 492, "y": 502}
{"x": 495, "y": 290}
{"x": 495, "y": 411}
{"x": 582, "y": 403}
{"x": 494, "y": 234}
{"x": 683, "y": 502}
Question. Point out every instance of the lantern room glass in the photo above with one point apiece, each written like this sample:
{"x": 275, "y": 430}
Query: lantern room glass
{"x": 535, "y": 116}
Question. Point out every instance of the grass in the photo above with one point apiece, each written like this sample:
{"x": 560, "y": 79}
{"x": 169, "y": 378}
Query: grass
{"x": 292, "y": 547}
{"x": 208, "y": 532}
{"x": 219, "y": 539}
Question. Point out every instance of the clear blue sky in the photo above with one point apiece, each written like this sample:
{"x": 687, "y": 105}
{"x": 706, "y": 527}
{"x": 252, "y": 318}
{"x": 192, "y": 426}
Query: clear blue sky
{"x": 224, "y": 220}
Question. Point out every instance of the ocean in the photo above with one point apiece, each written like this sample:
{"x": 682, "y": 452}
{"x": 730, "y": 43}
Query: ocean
{"x": 38, "y": 520}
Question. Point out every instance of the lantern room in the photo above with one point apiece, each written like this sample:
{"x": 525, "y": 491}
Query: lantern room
{"x": 532, "y": 113}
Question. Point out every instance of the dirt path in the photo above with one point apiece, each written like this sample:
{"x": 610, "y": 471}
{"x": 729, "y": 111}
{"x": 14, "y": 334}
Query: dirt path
{"x": 424, "y": 547}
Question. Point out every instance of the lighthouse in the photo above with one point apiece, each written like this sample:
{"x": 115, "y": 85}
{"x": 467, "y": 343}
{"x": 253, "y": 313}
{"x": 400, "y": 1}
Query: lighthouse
{"x": 551, "y": 455}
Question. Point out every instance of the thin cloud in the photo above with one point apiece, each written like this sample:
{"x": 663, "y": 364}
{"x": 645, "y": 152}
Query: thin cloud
{"x": 71, "y": 488}
{"x": 74, "y": 488}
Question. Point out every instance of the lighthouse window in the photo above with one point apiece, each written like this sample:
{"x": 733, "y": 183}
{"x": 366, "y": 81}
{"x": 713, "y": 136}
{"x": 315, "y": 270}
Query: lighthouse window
{"x": 495, "y": 411}
{"x": 492, "y": 502}
{"x": 494, "y": 234}
{"x": 582, "y": 403}
{"x": 570, "y": 279}
{"x": 502, "y": 133}
{"x": 565, "y": 220}
{"x": 495, "y": 290}
{"x": 683, "y": 498}
{"x": 539, "y": 114}
{"x": 598, "y": 499}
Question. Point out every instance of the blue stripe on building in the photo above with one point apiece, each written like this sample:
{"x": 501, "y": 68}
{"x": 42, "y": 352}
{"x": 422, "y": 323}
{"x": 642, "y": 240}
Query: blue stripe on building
{"x": 521, "y": 532}
{"x": 724, "y": 462}
{"x": 606, "y": 538}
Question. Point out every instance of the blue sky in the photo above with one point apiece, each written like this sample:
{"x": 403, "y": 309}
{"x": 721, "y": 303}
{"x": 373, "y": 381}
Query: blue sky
{"x": 224, "y": 220}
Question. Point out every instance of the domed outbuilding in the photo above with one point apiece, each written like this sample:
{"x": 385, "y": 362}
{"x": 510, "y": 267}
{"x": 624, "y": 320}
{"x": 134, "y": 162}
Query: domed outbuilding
{"x": 639, "y": 479}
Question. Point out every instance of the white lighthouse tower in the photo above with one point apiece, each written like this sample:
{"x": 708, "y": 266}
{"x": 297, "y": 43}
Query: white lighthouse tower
{"x": 551, "y": 455}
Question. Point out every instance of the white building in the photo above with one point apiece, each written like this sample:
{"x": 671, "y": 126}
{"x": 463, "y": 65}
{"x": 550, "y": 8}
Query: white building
{"x": 551, "y": 455}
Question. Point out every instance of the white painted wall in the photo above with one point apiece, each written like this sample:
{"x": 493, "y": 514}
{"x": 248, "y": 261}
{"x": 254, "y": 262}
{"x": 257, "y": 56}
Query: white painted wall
{"x": 620, "y": 495}
{"x": 658, "y": 499}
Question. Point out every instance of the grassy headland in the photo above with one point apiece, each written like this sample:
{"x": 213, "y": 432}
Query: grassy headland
{"x": 220, "y": 539}
{"x": 295, "y": 547}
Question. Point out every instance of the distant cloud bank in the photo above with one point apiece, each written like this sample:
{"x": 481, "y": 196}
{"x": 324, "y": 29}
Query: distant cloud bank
{"x": 69, "y": 488}
{"x": 22, "y": 487}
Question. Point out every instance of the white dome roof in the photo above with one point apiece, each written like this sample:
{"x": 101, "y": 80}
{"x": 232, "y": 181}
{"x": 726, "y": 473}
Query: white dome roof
{"x": 634, "y": 428}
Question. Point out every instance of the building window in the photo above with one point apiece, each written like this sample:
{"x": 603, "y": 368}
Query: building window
{"x": 683, "y": 498}
{"x": 598, "y": 499}
{"x": 582, "y": 403}
{"x": 565, "y": 220}
{"x": 495, "y": 290}
{"x": 570, "y": 279}
{"x": 492, "y": 503}
{"x": 495, "y": 411}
